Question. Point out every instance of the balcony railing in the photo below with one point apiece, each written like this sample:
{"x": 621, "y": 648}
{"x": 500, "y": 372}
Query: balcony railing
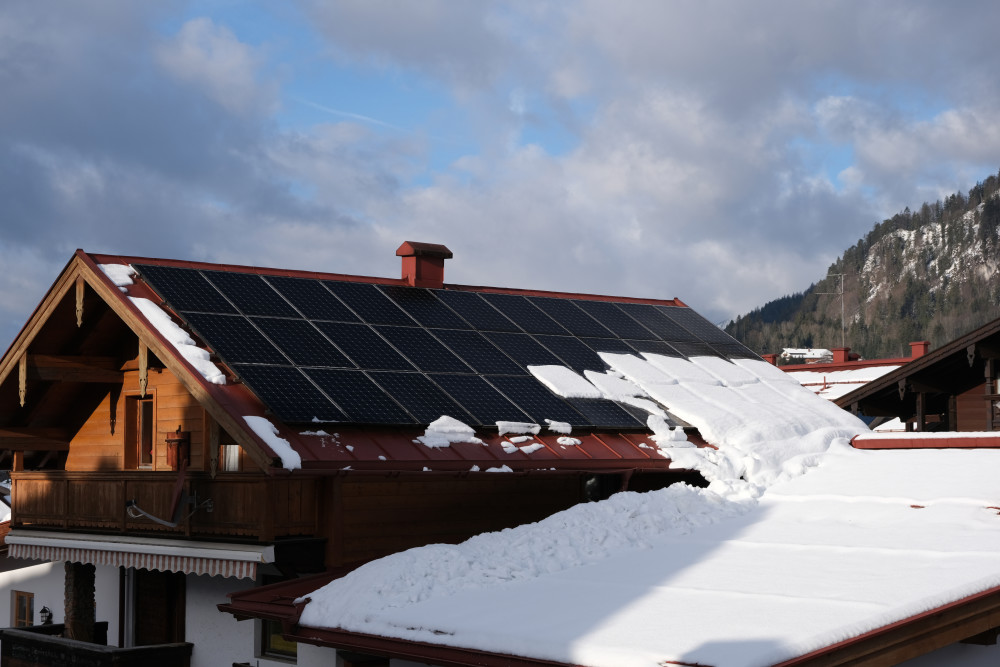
{"x": 41, "y": 646}
{"x": 246, "y": 507}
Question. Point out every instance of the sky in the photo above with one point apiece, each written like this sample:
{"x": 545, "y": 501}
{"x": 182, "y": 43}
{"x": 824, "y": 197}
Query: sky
{"x": 724, "y": 153}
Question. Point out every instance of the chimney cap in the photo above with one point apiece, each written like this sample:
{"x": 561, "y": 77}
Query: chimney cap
{"x": 416, "y": 248}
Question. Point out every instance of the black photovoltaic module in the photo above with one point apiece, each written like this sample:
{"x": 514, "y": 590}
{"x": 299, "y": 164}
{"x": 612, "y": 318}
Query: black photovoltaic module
{"x": 357, "y": 352}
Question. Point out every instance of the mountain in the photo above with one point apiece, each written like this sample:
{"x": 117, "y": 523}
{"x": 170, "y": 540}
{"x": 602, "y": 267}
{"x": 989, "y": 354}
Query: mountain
{"x": 930, "y": 274}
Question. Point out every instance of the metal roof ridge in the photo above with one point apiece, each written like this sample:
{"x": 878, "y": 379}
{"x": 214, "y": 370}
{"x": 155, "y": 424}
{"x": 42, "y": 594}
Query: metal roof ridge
{"x": 101, "y": 258}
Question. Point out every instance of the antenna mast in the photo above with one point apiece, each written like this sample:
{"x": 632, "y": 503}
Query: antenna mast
{"x": 843, "y": 326}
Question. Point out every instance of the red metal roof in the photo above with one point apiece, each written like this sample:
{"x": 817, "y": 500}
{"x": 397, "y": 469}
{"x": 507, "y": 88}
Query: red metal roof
{"x": 925, "y": 440}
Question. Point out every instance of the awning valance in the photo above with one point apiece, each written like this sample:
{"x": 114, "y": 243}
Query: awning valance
{"x": 227, "y": 560}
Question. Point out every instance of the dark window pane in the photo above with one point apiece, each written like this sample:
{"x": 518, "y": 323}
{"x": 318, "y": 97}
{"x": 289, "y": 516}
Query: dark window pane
{"x": 370, "y": 304}
{"x": 364, "y": 347}
{"x": 235, "y": 339}
{"x": 362, "y": 400}
{"x": 478, "y": 352}
{"x": 423, "y": 350}
{"x": 185, "y": 289}
{"x": 476, "y": 310}
{"x": 287, "y": 393}
{"x": 302, "y": 343}
{"x": 313, "y": 300}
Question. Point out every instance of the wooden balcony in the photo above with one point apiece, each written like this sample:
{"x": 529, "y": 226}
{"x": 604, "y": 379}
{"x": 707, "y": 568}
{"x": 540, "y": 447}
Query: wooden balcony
{"x": 244, "y": 507}
{"x": 43, "y": 646}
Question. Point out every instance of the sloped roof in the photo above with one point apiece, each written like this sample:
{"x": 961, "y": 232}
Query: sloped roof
{"x": 873, "y": 553}
{"x": 347, "y": 371}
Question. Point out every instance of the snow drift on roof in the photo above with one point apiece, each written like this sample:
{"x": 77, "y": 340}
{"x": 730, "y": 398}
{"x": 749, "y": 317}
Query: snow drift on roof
{"x": 480, "y": 594}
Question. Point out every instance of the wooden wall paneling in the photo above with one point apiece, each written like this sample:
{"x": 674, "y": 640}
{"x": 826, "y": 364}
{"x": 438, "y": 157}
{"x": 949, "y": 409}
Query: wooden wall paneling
{"x": 94, "y": 446}
{"x": 971, "y": 410}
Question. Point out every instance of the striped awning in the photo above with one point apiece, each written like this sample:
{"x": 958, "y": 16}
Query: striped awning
{"x": 225, "y": 560}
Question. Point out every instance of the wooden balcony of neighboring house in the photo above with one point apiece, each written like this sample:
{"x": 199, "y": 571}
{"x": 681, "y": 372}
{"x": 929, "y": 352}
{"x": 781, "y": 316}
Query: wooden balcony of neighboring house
{"x": 44, "y": 646}
{"x": 241, "y": 507}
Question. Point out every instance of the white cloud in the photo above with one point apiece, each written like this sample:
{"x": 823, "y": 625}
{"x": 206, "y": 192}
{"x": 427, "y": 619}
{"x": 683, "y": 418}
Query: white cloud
{"x": 210, "y": 56}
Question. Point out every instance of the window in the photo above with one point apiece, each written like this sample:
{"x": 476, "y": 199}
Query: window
{"x": 22, "y": 609}
{"x": 230, "y": 458}
{"x": 272, "y": 644}
{"x": 140, "y": 432}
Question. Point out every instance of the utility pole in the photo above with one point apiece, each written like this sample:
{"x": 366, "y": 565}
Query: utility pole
{"x": 843, "y": 326}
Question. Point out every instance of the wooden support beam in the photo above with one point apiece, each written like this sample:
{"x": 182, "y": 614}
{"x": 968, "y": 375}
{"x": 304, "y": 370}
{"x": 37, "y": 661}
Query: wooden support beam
{"x": 22, "y": 378}
{"x": 80, "y": 286}
{"x": 34, "y": 438}
{"x": 143, "y": 368}
{"x": 53, "y": 368}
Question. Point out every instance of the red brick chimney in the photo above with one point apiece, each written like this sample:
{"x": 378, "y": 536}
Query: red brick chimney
{"x": 841, "y": 355}
{"x": 423, "y": 263}
{"x": 919, "y": 348}
{"x": 770, "y": 358}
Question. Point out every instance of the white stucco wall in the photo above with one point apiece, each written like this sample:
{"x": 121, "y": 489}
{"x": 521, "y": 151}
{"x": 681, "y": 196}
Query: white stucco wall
{"x": 47, "y": 582}
{"x": 218, "y": 638}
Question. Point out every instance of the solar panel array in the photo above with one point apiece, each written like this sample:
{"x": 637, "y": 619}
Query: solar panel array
{"x": 355, "y": 352}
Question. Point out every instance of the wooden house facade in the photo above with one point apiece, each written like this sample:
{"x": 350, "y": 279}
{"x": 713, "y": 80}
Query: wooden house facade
{"x": 141, "y": 453}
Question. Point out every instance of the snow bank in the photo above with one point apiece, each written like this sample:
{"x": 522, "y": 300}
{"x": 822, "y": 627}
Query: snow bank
{"x": 267, "y": 432}
{"x": 181, "y": 341}
{"x": 564, "y": 382}
{"x": 445, "y": 430}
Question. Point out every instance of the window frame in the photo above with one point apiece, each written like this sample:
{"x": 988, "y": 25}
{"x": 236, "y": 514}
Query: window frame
{"x": 17, "y": 619}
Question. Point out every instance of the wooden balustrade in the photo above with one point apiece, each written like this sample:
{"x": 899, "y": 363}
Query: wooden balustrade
{"x": 244, "y": 506}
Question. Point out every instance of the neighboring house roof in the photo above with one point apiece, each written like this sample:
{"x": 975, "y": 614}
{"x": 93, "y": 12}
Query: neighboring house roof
{"x": 327, "y": 371}
{"x": 873, "y": 555}
{"x": 946, "y": 371}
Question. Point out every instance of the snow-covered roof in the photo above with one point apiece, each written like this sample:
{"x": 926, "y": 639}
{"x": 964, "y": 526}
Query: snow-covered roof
{"x": 806, "y": 353}
{"x": 832, "y": 384}
{"x": 799, "y": 542}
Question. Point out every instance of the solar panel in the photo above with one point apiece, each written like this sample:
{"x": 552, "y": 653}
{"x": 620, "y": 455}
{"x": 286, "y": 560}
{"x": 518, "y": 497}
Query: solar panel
{"x": 523, "y": 313}
{"x": 655, "y": 347}
{"x": 523, "y": 349}
{"x": 613, "y": 345}
{"x": 536, "y": 399}
{"x": 250, "y": 294}
{"x": 695, "y": 349}
{"x": 478, "y": 352}
{"x": 289, "y": 394}
{"x": 363, "y": 401}
{"x": 696, "y": 324}
{"x": 657, "y": 322}
{"x": 423, "y": 350}
{"x": 615, "y": 319}
{"x": 735, "y": 350}
{"x": 312, "y": 299}
{"x": 486, "y": 405}
{"x": 302, "y": 343}
{"x": 422, "y": 398}
{"x": 364, "y": 346}
{"x": 570, "y": 316}
{"x": 573, "y": 352}
{"x": 476, "y": 310}
{"x": 185, "y": 289}
{"x": 605, "y": 414}
{"x": 370, "y": 304}
{"x": 235, "y": 339}
{"x": 424, "y": 307}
